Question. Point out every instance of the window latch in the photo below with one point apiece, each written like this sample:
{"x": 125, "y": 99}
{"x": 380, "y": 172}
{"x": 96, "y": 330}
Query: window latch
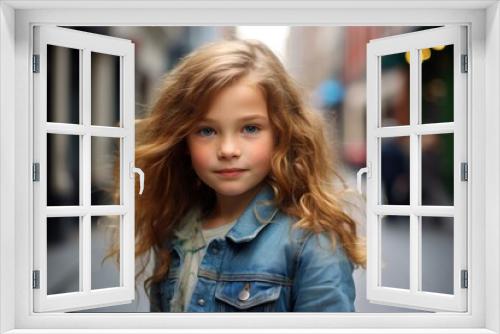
{"x": 359, "y": 176}
{"x": 134, "y": 170}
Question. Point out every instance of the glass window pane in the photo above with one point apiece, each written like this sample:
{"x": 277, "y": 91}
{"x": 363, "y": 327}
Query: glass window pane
{"x": 105, "y": 158}
{"x": 63, "y": 85}
{"x": 437, "y": 84}
{"x": 395, "y": 89}
{"x": 105, "y": 78}
{"x": 437, "y": 254}
{"x": 437, "y": 169}
{"x": 395, "y": 170}
{"x": 105, "y": 240}
{"x": 63, "y": 257}
{"x": 395, "y": 249}
{"x": 63, "y": 169}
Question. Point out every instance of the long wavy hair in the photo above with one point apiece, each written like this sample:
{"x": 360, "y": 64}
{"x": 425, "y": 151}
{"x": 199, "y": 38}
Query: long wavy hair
{"x": 303, "y": 172}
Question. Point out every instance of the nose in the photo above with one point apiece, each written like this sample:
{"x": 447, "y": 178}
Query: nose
{"x": 228, "y": 148}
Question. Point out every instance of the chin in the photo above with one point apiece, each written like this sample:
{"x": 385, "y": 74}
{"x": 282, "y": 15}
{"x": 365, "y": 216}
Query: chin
{"x": 234, "y": 191}
{"x": 231, "y": 190}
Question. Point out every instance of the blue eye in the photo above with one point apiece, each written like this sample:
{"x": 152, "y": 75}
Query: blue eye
{"x": 252, "y": 129}
{"x": 205, "y": 132}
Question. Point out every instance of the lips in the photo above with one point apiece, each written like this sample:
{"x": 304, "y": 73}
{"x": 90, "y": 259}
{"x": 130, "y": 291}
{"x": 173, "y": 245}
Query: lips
{"x": 230, "y": 173}
{"x": 230, "y": 170}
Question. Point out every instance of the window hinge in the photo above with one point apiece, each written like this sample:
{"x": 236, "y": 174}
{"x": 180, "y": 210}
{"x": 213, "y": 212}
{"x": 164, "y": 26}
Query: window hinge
{"x": 36, "y": 279}
{"x": 464, "y": 171}
{"x": 36, "y": 172}
{"x": 36, "y": 63}
{"x": 465, "y": 279}
{"x": 465, "y": 67}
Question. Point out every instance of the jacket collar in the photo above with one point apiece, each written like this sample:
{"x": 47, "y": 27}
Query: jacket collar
{"x": 248, "y": 225}
{"x": 246, "y": 228}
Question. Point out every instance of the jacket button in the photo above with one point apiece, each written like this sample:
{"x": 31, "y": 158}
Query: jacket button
{"x": 201, "y": 301}
{"x": 215, "y": 250}
{"x": 245, "y": 293}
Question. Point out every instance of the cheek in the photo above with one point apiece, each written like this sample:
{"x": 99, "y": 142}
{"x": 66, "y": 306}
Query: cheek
{"x": 263, "y": 153}
{"x": 199, "y": 156}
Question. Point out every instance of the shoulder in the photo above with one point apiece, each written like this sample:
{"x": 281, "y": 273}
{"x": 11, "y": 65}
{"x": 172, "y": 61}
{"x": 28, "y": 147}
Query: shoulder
{"x": 310, "y": 245}
{"x": 284, "y": 222}
{"x": 301, "y": 242}
{"x": 323, "y": 246}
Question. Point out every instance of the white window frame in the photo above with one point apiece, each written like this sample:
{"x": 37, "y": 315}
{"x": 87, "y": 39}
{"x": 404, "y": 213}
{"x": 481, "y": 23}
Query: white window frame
{"x": 16, "y": 20}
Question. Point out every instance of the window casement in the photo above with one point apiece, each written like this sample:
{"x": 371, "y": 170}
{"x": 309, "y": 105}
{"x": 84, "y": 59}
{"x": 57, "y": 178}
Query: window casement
{"x": 474, "y": 130}
{"x": 415, "y": 211}
{"x": 64, "y": 139}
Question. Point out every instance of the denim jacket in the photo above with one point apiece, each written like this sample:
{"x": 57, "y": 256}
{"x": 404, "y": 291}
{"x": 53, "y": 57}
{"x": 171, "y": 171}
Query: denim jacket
{"x": 264, "y": 267}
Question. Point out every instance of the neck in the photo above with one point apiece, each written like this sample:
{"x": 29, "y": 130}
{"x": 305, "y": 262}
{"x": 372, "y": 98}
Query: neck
{"x": 229, "y": 208}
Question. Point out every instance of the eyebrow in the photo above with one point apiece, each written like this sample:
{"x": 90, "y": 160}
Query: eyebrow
{"x": 242, "y": 119}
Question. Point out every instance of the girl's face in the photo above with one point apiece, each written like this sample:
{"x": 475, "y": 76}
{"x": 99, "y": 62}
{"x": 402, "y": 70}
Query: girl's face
{"x": 231, "y": 148}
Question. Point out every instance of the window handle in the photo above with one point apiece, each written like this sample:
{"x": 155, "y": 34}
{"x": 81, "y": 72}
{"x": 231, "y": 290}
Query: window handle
{"x": 134, "y": 170}
{"x": 360, "y": 175}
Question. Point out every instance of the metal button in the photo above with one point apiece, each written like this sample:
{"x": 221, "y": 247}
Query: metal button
{"x": 215, "y": 250}
{"x": 245, "y": 293}
{"x": 201, "y": 301}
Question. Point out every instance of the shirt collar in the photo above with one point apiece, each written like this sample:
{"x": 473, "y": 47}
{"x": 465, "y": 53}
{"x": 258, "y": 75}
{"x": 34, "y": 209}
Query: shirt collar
{"x": 189, "y": 231}
{"x": 189, "y": 225}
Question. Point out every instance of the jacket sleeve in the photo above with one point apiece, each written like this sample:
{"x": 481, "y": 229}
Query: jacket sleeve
{"x": 323, "y": 277}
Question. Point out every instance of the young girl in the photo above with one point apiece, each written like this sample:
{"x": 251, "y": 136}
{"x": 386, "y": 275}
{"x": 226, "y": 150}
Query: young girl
{"x": 241, "y": 209}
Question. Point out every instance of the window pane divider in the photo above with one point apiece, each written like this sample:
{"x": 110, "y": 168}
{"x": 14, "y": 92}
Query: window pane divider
{"x": 415, "y": 84}
{"x": 78, "y": 129}
{"x": 85, "y": 227}
{"x": 417, "y": 129}
{"x": 93, "y": 210}
{"x": 419, "y": 210}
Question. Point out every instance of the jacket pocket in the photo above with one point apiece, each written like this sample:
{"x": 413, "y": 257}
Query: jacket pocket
{"x": 249, "y": 296}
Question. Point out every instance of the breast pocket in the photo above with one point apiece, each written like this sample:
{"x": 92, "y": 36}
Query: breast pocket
{"x": 247, "y": 296}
